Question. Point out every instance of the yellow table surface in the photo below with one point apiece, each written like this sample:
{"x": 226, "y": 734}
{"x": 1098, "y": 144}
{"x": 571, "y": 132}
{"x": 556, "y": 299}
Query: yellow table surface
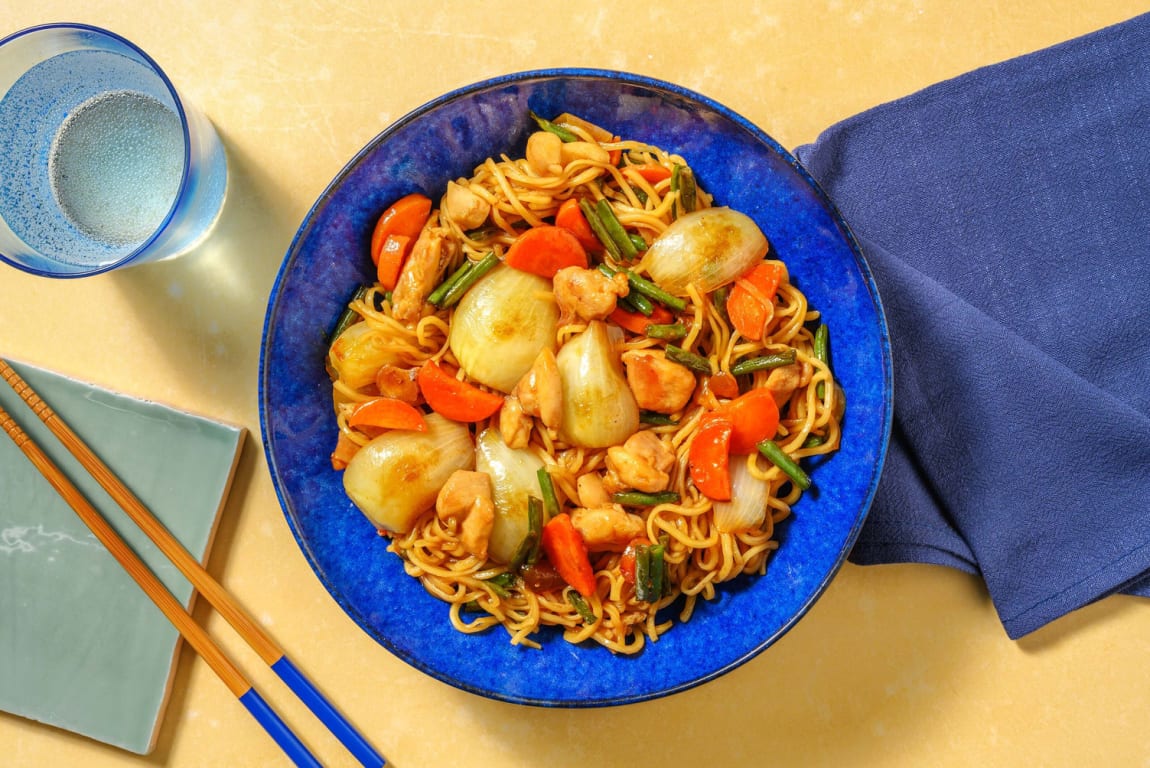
{"x": 895, "y": 666}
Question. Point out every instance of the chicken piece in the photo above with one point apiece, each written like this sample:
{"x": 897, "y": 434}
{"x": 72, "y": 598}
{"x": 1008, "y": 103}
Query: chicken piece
{"x": 659, "y": 384}
{"x": 541, "y": 390}
{"x": 465, "y": 503}
{"x": 607, "y": 529}
{"x": 393, "y": 381}
{"x": 783, "y": 381}
{"x": 434, "y": 249}
{"x": 591, "y": 490}
{"x": 514, "y": 423}
{"x": 643, "y": 462}
{"x": 587, "y": 294}
{"x": 464, "y": 207}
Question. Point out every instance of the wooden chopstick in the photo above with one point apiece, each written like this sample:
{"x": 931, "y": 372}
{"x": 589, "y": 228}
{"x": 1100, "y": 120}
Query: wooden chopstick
{"x": 251, "y": 632}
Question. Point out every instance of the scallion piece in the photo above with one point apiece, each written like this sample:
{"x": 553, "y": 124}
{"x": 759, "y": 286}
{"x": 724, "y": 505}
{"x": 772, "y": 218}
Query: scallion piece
{"x": 615, "y": 230}
{"x": 528, "y": 551}
{"x": 470, "y": 278}
{"x": 437, "y": 295}
{"x": 550, "y": 500}
{"x": 640, "y": 499}
{"x": 550, "y": 127}
{"x": 349, "y": 316}
{"x": 764, "y": 363}
{"x": 600, "y": 231}
{"x": 822, "y": 353}
{"x": 667, "y": 331}
{"x": 581, "y": 607}
{"x": 790, "y": 468}
{"x": 696, "y": 363}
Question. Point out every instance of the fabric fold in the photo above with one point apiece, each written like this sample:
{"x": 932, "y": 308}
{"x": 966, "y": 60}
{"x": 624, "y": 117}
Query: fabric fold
{"x": 1006, "y": 217}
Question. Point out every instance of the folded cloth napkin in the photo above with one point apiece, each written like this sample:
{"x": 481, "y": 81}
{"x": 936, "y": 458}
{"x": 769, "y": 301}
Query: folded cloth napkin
{"x": 1006, "y": 217}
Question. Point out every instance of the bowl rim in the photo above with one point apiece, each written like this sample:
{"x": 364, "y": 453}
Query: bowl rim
{"x": 883, "y": 337}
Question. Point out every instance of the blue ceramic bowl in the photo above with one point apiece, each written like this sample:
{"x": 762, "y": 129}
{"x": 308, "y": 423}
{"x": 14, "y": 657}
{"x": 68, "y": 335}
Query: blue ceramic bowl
{"x": 743, "y": 168}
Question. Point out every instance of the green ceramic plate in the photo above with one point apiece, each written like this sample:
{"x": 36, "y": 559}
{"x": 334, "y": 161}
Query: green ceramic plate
{"x": 81, "y": 646}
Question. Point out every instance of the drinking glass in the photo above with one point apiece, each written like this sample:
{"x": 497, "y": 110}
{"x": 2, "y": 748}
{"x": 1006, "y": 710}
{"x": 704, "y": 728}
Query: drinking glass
{"x": 102, "y": 163}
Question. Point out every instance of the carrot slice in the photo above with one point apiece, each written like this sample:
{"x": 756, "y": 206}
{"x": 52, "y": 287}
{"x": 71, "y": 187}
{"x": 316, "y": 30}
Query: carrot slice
{"x": 567, "y": 551}
{"x": 652, "y": 173}
{"x": 544, "y": 250}
{"x": 571, "y": 218}
{"x": 406, "y": 216}
{"x": 750, "y": 300}
{"x": 708, "y": 459}
{"x": 390, "y": 260}
{"x": 637, "y": 322}
{"x": 754, "y": 417}
{"x": 455, "y": 399}
{"x": 387, "y": 413}
{"x": 724, "y": 385}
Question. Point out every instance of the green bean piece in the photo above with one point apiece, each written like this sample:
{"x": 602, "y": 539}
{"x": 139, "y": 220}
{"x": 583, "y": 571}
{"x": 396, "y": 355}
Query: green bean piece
{"x": 667, "y": 331}
{"x": 528, "y": 550}
{"x": 641, "y": 303}
{"x": 658, "y": 567}
{"x": 349, "y": 316}
{"x": 655, "y": 293}
{"x": 600, "y": 231}
{"x": 643, "y": 572}
{"x": 771, "y": 450}
{"x": 443, "y": 288}
{"x": 822, "y": 353}
{"x": 501, "y": 583}
{"x": 480, "y": 268}
{"x": 764, "y": 363}
{"x": 551, "y": 127}
{"x": 641, "y": 499}
{"x": 615, "y": 230}
{"x": 472, "y": 606}
{"x": 581, "y": 607}
{"x": 814, "y": 441}
{"x": 656, "y": 419}
{"x": 696, "y": 363}
{"x": 550, "y": 500}
{"x": 638, "y": 241}
{"x": 683, "y": 182}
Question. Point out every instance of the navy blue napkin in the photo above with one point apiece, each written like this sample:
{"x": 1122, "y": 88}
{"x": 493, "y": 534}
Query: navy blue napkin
{"x": 1006, "y": 216}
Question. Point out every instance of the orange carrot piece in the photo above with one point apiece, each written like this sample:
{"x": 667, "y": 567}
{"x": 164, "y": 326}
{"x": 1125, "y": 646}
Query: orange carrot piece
{"x": 708, "y": 459}
{"x": 390, "y": 260}
{"x": 754, "y": 417}
{"x": 627, "y": 559}
{"x": 387, "y": 413}
{"x": 455, "y": 399}
{"x": 406, "y": 216}
{"x": 544, "y": 250}
{"x": 571, "y": 218}
{"x": 637, "y": 322}
{"x": 724, "y": 385}
{"x": 749, "y": 302}
{"x": 652, "y": 173}
{"x": 567, "y": 551}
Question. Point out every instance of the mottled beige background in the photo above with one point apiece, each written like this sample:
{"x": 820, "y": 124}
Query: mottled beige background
{"x": 895, "y": 666}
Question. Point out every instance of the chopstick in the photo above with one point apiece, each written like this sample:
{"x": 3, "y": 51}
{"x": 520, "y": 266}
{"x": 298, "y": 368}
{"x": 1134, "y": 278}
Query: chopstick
{"x": 251, "y": 632}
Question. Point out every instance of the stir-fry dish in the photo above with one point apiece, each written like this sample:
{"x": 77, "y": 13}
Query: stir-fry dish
{"x": 578, "y": 391}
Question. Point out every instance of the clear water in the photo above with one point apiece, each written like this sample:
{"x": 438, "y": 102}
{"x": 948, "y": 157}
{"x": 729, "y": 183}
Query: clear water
{"x": 115, "y": 164}
{"x": 91, "y": 154}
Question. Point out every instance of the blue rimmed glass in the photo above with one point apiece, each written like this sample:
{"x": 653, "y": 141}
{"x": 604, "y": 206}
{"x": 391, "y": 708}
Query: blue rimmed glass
{"x": 102, "y": 163}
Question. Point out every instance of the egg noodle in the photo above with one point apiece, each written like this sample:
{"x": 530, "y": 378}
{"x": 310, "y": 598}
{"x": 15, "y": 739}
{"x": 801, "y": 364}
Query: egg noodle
{"x": 698, "y": 557}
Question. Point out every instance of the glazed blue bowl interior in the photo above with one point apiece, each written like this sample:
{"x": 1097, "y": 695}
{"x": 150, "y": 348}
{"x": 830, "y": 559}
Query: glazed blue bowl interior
{"x": 741, "y": 167}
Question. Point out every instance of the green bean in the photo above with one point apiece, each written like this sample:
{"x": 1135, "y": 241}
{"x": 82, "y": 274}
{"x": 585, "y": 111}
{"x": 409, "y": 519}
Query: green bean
{"x": 470, "y": 278}
{"x": 764, "y": 363}
{"x": 638, "y": 241}
{"x": 656, "y": 419}
{"x": 643, "y": 572}
{"x": 349, "y": 316}
{"x": 683, "y": 182}
{"x": 822, "y": 339}
{"x": 581, "y": 607}
{"x": 667, "y": 331}
{"x": 771, "y": 450}
{"x": 696, "y": 363}
{"x": 551, "y": 127}
{"x": 600, "y": 231}
{"x": 814, "y": 441}
{"x": 500, "y": 584}
{"x": 615, "y": 230}
{"x": 437, "y": 295}
{"x": 654, "y": 292}
{"x": 640, "y": 499}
